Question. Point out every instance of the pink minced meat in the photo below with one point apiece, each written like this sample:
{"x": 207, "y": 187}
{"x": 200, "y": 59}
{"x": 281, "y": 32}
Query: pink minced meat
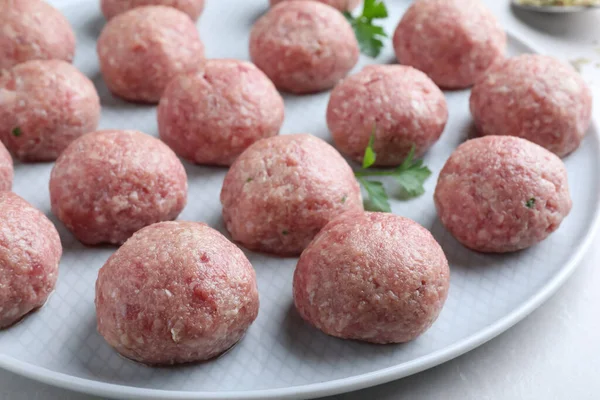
{"x": 111, "y": 8}
{"x": 109, "y": 184}
{"x": 453, "y": 41}
{"x": 281, "y": 191}
{"x": 175, "y": 292}
{"x": 342, "y": 5}
{"x": 6, "y": 169}
{"x": 44, "y": 106}
{"x": 400, "y": 104}
{"x": 33, "y": 30}
{"x": 212, "y": 115}
{"x": 375, "y": 277}
{"x": 141, "y": 50}
{"x": 500, "y": 194}
{"x": 303, "y": 46}
{"x": 535, "y": 97}
{"x": 30, "y": 250}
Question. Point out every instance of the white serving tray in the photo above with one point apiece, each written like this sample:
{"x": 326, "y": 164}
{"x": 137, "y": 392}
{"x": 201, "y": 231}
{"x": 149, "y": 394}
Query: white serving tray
{"x": 281, "y": 357}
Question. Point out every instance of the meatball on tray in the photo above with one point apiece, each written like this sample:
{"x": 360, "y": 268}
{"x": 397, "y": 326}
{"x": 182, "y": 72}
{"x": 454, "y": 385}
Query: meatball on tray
{"x": 281, "y": 356}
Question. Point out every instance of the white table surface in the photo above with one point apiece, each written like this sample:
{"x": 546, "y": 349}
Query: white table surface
{"x": 552, "y": 354}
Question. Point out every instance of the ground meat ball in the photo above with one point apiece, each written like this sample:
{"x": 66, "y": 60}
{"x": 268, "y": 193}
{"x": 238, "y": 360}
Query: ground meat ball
{"x": 342, "y": 5}
{"x": 501, "y": 193}
{"x": 453, "y": 41}
{"x": 402, "y": 104}
{"x": 110, "y": 8}
{"x": 6, "y": 169}
{"x": 109, "y": 184}
{"x": 375, "y": 277}
{"x": 141, "y": 50}
{"x": 44, "y": 106}
{"x": 537, "y": 98}
{"x": 30, "y": 250}
{"x": 33, "y": 30}
{"x": 211, "y": 116}
{"x": 281, "y": 191}
{"x": 303, "y": 46}
{"x": 175, "y": 292}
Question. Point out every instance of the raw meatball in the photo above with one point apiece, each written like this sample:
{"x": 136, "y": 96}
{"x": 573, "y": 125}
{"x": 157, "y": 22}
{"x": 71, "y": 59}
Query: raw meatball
{"x": 211, "y": 116}
{"x": 175, "y": 292}
{"x": 30, "y": 250}
{"x": 303, "y": 46}
{"x": 33, "y": 30}
{"x": 141, "y": 50}
{"x": 501, "y": 193}
{"x": 6, "y": 169}
{"x": 281, "y": 191}
{"x": 44, "y": 106}
{"x": 537, "y": 98}
{"x": 402, "y": 105}
{"x": 453, "y": 41}
{"x": 375, "y": 277}
{"x": 342, "y": 5}
{"x": 109, "y": 184}
{"x": 110, "y": 8}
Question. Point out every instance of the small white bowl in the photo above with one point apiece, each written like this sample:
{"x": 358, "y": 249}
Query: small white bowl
{"x": 554, "y": 9}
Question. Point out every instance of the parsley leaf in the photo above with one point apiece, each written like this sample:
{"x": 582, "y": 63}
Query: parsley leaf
{"x": 378, "y": 198}
{"x": 369, "y": 36}
{"x": 410, "y": 175}
{"x": 370, "y": 43}
{"x": 374, "y": 9}
{"x": 16, "y": 131}
{"x": 370, "y": 156}
{"x": 530, "y": 203}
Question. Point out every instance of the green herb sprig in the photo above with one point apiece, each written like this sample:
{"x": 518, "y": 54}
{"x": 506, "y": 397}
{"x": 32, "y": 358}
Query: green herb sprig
{"x": 410, "y": 175}
{"x": 370, "y": 36}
